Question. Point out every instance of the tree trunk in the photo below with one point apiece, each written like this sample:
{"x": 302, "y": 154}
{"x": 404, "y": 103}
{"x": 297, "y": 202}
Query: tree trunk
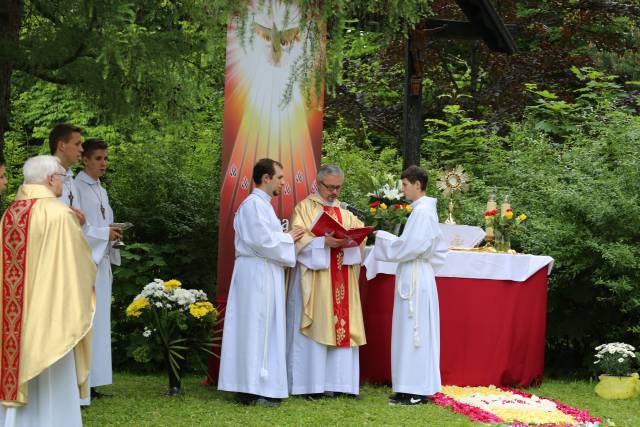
{"x": 10, "y": 21}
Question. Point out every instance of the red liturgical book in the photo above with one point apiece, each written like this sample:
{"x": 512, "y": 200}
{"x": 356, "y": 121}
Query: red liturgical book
{"x": 324, "y": 225}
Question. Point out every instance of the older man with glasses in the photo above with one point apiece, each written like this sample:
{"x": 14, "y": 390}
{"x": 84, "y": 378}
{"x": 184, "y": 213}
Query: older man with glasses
{"x": 47, "y": 303}
{"x": 324, "y": 315}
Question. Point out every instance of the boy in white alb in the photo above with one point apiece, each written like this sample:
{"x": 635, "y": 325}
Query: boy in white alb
{"x": 415, "y": 333}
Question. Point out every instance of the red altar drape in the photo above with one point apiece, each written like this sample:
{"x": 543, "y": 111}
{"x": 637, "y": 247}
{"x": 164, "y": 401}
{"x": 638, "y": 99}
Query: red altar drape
{"x": 491, "y": 331}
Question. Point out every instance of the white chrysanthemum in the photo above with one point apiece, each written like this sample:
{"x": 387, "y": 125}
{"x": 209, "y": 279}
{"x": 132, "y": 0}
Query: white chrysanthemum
{"x": 182, "y": 297}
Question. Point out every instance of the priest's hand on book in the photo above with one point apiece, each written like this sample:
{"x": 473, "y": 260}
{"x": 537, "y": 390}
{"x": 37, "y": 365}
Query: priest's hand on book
{"x": 332, "y": 242}
{"x": 297, "y": 233}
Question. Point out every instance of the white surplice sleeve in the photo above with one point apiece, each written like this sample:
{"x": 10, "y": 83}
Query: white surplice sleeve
{"x": 315, "y": 256}
{"x": 420, "y": 239}
{"x": 254, "y": 227}
{"x": 98, "y": 239}
{"x": 352, "y": 256}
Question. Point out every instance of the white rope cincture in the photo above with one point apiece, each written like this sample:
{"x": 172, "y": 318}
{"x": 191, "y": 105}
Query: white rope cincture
{"x": 264, "y": 372}
{"x": 413, "y": 313}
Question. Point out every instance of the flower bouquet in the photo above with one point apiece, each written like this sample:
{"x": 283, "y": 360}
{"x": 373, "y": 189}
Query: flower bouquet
{"x": 504, "y": 226}
{"x": 617, "y": 362}
{"x": 176, "y": 324}
{"x": 388, "y": 210}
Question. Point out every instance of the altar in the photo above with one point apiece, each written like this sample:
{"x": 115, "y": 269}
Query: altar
{"x": 493, "y": 311}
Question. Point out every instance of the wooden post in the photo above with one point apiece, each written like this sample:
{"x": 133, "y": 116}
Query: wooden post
{"x": 412, "y": 109}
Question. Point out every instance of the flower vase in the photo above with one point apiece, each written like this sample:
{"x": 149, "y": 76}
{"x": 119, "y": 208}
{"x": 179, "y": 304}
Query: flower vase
{"x": 611, "y": 387}
{"x": 396, "y": 229}
{"x": 175, "y": 382}
{"x": 502, "y": 242}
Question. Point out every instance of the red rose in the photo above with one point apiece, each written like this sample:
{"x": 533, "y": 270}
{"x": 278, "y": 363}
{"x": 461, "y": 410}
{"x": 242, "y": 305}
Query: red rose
{"x": 509, "y": 210}
{"x": 375, "y": 204}
{"x": 493, "y": 212}
{"x": 397, "y": 206}
{"x": 490, "y": 213}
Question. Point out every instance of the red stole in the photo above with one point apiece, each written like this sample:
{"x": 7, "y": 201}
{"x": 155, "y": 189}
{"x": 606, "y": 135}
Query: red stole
{"x": 15, "y": 226}
{"x": 339, "y": 288}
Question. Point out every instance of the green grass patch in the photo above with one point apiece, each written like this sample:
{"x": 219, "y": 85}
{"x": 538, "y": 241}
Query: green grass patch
{"x": 139, "y": 401}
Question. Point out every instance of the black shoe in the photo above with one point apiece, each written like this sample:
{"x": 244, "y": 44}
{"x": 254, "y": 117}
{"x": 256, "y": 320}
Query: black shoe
{"x": 173, "y": 391}
{"x": 245, "y": 398}
{"x": 395, "y": 398}
{"x": 95, "y": 394}
{"x": 410, "y": 400}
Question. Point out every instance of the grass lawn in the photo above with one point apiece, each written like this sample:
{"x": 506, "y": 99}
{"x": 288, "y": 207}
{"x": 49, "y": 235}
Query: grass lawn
{"x": 138, "y": 401}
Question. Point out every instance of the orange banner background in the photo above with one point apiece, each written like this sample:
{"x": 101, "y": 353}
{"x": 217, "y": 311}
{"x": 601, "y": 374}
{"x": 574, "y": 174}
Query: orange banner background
{"x": 258, "y": 124}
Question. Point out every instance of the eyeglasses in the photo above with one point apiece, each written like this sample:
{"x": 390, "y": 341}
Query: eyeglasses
{"x": 64, "y": 176}
{"x": 331, "y": 187}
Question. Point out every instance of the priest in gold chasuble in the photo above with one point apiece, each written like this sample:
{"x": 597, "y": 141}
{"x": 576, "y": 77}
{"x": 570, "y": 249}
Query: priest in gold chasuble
{"x": 47, "y": 303}
{"x": 324, "y": 315}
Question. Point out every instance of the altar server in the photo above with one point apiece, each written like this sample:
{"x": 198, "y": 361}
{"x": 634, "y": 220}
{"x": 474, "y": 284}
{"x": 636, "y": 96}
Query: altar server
{"x": 65, "y": 142}
{"x": 415, "y": 334}
{"x": 252, "y": 360}
{"x": 92, "y": 199}
{"x": 324, "y": 316}
{"x": 47, "y": 304}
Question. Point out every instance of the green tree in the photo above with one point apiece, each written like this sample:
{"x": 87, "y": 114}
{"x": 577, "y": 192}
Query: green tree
{"x": 119, "y": 55}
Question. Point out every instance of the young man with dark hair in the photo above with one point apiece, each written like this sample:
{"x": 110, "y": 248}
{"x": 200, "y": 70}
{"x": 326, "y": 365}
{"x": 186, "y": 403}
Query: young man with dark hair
{"x": 252, "y": 360}
{"x": 63, "y": 132}
{"x": 93, "y": 200}
{"x": 265, "y": 166}
{"x": 65, "y": 142}
{"x": 415, "y": 332}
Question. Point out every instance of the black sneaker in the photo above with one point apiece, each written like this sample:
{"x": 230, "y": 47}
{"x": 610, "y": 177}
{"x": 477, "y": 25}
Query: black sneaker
{"x": 395, "y": 398}
{"x": 410, "y": 399}
{"x": 245, "y": 398}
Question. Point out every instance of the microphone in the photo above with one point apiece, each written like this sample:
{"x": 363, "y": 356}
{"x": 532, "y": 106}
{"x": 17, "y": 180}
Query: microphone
{"x": 357, "y": 212}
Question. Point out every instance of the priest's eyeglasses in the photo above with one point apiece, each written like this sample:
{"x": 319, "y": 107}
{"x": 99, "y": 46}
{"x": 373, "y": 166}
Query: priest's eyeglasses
{"x": 330, "y": 187}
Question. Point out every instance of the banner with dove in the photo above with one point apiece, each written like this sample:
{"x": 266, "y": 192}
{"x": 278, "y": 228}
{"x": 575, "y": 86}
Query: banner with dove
{"x": 263, "y": 50}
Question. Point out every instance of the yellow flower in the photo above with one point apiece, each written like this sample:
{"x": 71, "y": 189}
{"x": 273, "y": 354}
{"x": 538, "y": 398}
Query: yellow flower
{"x": 201, "y": 309}
{"x": 522, "y": 217}
{"x": 509, "y": 214}
{"x": 172, "y": 284}
{"x": 383, "y": 206}
{"x": 408, "y": 208}
{"x": 373, "y": 211}
{"x": 488, "y": 218}
{"x": 136, "y": 307}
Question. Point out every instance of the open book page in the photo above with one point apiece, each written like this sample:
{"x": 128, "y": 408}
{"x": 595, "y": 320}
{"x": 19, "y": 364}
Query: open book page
{"x": 324, "y": 225}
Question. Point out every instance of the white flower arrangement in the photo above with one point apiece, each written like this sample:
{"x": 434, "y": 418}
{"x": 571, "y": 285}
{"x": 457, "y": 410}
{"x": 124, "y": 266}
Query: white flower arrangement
{"x": 170, "y": 295}
{"x": 391, "y": 191}
{"x": 616, "y": 358}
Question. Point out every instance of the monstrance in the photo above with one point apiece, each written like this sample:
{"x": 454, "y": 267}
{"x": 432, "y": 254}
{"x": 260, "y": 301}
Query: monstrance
{"x": 452, "y": 181}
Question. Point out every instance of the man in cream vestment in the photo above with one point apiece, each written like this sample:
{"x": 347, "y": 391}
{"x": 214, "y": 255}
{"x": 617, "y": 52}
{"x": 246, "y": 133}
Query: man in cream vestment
{"x": 47, "y": 304}
{"x": 252, "y": 360}
{"x": 324, "y": 315}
